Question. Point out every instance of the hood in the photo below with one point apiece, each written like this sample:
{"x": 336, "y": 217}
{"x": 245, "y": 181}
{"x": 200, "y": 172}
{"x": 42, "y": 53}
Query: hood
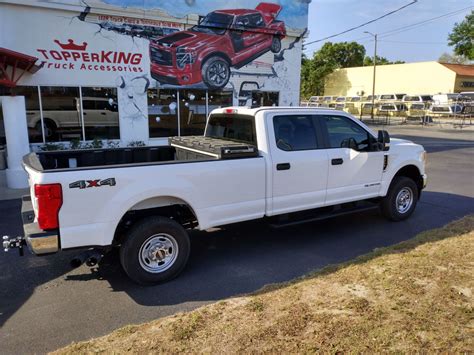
{"x": 188, "y": 39}
{"x": 398, "y": 143}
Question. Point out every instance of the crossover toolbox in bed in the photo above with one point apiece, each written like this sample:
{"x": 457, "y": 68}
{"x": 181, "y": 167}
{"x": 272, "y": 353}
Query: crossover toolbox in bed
{"x": 199, "y": 147}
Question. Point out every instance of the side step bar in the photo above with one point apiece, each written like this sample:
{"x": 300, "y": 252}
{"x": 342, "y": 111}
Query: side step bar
{"x": 324, "y": 215}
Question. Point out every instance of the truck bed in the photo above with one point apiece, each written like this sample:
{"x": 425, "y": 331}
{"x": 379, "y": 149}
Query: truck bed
{"x": 180, "y": 150}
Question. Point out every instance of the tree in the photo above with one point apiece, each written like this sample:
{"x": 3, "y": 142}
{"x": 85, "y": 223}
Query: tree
{"x": 330, "y": 57}
{"x": 453, "y": 59}
{"x": 368, "y": 61}
{"x": 462, "y": 37}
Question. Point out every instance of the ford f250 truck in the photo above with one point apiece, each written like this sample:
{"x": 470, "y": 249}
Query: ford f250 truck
{"x": 286, "y": 165}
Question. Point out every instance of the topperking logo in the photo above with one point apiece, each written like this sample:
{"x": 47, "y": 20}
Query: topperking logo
{"x": 72, "y": 56}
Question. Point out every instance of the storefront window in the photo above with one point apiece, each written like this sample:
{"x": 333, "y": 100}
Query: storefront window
{"x": 265, "y": 98}
{"x": 61, "y": 114}
{"x": 192, "y": 112}
{"x": 162, "y": 113}
{"x": 218, "y": 99}
{"x": 100, "y": 110}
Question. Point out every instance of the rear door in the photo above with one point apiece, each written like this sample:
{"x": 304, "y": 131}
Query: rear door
{"x": 355, "y": 163}
{"x": 299, "y": 162}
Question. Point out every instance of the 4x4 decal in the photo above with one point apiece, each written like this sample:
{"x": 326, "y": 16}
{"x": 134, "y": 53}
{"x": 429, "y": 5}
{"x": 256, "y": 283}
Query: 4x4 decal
{"x": 85, "y": 184}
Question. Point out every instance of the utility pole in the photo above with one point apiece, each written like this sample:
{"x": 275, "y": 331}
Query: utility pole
{"x": 375, "y": 70}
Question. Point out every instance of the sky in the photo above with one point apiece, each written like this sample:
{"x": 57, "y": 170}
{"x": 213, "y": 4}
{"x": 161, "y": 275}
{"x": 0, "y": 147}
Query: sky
{"x": 294, "y": 12}
{"x": 424, "y": 43}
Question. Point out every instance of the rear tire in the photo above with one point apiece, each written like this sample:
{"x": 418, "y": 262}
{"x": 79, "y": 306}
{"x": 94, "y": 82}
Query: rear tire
{"x": 155, "y": 250}
{"x": 401, "y": 199}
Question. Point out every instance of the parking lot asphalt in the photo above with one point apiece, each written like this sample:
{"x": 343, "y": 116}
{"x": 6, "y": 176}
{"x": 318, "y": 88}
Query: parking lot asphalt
{"x": 45, "y": 305}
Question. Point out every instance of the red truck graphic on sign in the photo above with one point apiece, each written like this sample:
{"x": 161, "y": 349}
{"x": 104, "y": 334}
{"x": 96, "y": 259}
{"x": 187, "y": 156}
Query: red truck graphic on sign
{"x": 222, "y": 39}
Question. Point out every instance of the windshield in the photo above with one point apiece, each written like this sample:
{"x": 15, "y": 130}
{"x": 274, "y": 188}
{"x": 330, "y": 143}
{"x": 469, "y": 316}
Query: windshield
{"x": 239, "y": 128}
{"x": 214, "y": 23}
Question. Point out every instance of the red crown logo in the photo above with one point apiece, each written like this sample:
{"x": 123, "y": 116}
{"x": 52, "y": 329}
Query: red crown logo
{"x": 72, "y": 46}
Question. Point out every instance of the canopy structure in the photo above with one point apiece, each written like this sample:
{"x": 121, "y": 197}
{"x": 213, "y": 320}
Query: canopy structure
{"x": 13, "y": 65}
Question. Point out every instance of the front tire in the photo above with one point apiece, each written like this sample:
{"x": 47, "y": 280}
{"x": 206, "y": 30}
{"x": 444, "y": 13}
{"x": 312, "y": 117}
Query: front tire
{"x": 215, "y": 72}
{"x": 156, "y": 250}
{"x": 401, "y": 199}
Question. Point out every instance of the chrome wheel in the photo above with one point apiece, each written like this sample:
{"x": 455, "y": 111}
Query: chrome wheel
{"x": 404, "y": 200}
{"x": 158, "y": 253}
{"x": 218, "y": 73}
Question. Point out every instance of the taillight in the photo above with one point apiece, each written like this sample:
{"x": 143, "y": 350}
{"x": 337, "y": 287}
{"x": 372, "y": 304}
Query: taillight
{"x": 49, "y": 199}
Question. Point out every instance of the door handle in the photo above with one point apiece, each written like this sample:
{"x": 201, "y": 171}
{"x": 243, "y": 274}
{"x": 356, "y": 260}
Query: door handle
{"x": 283, "y": 166}
{"x": 337, "y": 161}
{"x": 103, "y": 113}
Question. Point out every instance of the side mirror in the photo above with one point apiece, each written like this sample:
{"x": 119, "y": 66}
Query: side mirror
{"x": 201, "y": 18}
{"x": 384, "y": 140}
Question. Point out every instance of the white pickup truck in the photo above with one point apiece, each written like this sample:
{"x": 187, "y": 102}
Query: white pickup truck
{"x": 286, "y": 165}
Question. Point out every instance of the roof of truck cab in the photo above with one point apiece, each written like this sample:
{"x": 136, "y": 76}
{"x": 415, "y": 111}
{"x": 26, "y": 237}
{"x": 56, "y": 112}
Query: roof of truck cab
{"x": 253, "y": 111}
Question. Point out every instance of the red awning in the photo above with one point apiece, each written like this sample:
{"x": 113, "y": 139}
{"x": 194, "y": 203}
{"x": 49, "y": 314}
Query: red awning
{"x": 13, "y": 65}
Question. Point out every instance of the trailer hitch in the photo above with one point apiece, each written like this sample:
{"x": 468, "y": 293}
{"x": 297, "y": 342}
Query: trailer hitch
{"x": 14, "y": 243}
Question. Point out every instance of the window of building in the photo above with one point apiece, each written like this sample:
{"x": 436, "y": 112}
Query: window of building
{"x": 62, "y": 119}
{"x": 193, "y": 112}
{"x": 162, "y": 113}
{"x": 59, "y": 108}
{"x": 295, "y": 132}
{"x": 191, "y": 106}
{"x": 218, "y": 99}
{"x": 100, "y": 110}
{"x": 344, "y": 133}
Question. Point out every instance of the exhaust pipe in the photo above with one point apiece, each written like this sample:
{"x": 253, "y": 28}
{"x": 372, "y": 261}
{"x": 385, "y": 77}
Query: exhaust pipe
{"x": 79, "y": 260}
{"x": 94, "y": 258}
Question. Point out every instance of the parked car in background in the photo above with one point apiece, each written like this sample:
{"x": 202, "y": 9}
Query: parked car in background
{"x": 223, "y": 39}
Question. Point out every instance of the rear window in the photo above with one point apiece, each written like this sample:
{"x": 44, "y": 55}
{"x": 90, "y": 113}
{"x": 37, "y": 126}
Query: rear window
{"x": 239, "y": 128}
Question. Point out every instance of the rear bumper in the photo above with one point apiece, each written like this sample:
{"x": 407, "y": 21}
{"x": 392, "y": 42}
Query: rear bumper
{"x": 39, "y": 242}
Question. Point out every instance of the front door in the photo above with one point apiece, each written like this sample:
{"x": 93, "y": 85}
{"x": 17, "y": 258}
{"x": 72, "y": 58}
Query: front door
{"x": 355, "y": 163}
{"x": 299, "y": 164}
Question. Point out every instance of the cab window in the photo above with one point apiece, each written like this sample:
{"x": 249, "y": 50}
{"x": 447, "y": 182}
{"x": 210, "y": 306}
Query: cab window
{"x": 344, "y": 133}
{"x": 295, "y": 132}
